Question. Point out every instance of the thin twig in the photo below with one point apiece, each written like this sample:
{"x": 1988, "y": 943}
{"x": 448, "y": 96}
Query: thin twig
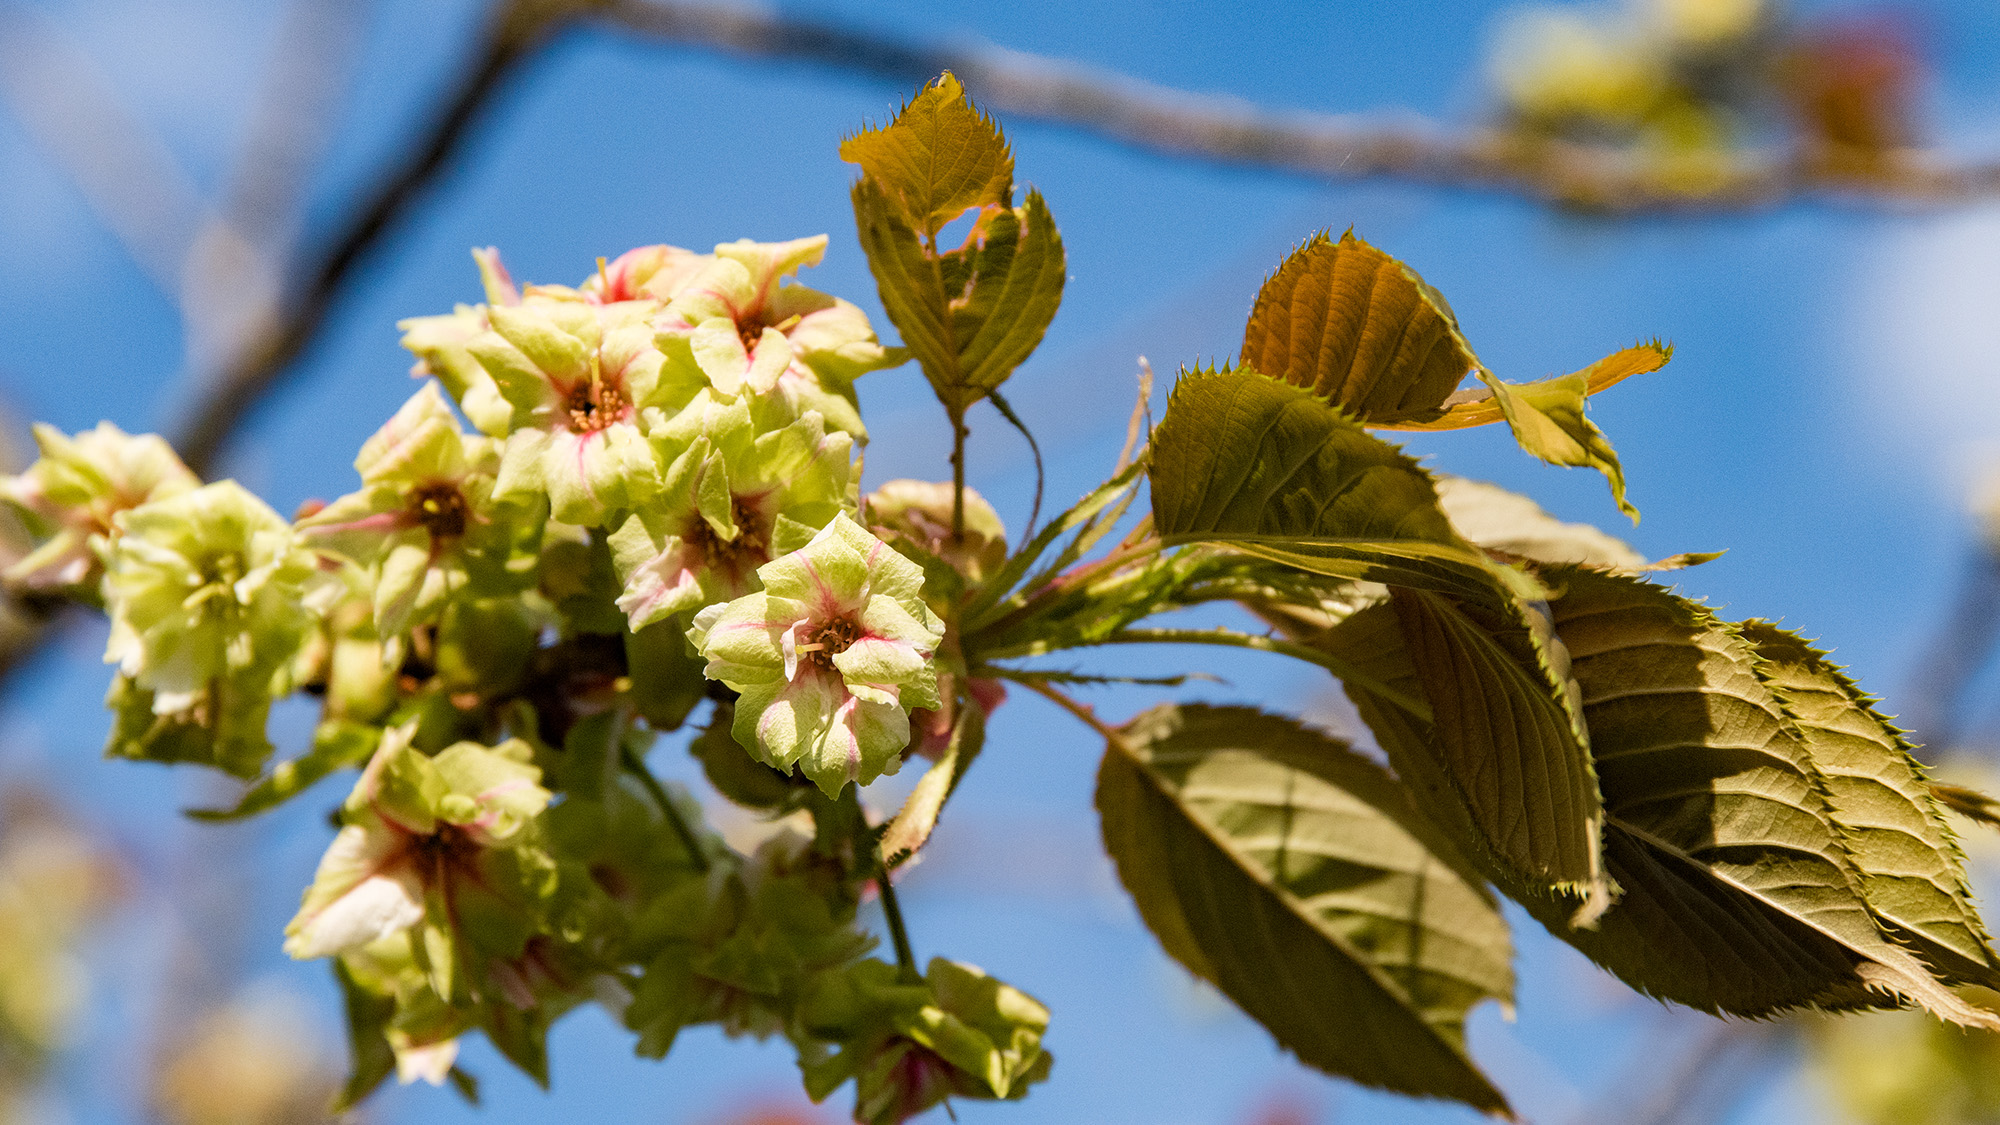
{"x": 231, "y": 284}
{"x": 636, "y": 766}
{"x": 899, "y": 935}
{"x": 1319, "y": 145}
{"x": 511, "y": 37}
{"x": 958, "y": 434}
{"x": 1083, "y": 712}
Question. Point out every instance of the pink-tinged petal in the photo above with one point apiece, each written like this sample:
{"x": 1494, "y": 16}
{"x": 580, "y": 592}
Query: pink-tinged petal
{"x": 837, "y": 759}
{"x": 499, "y": 284}
{"x": 864, "y": 741}
{"x": 378, "y": 522}
{"x": 663, "y": 585}
{"x": 892, "y": 620}
{"x": 779, "y": 722}
{"x": 364, "y": 890}
{"x": 768, "y": 362}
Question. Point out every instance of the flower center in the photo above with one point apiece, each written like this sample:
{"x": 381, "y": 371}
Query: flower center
{"x": 440, "y": 508}
{"x": 829, "y": 641}
{"x": 595, "y": 405}
{"x": 737, "y": 557}
{"x": 750, "y": 331}
{"x": 447, "y": 847}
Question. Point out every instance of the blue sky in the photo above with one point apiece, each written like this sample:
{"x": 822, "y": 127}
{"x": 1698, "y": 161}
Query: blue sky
{"x": 1829, "y": 407}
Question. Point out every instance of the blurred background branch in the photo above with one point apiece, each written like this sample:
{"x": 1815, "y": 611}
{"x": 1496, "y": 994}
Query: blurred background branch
{"x": 1537, "y": 163}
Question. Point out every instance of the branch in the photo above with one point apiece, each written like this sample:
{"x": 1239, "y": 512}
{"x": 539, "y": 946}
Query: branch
{"x": 161, "y": 224}
{"x": 518, "y": 28}
{"x": 76, "y": 116}
{"x": 1317, "y": 145}
{"x": 232, "y": 281}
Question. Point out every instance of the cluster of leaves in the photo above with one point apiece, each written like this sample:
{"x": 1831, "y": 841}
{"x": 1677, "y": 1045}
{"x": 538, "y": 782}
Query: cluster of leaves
{"x": 1699, "y": 86}
{"x": 659, "y": 511}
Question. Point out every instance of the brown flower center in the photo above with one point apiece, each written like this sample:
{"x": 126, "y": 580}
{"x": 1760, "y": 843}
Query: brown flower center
{"x": 750, "y": 331}
{"x": 440, "y": 508}
{"x": 736, "y": 557}
{"x": 595, "y": 405}
{"x": 829, "y": 641}
{"x": 446, "y": 847}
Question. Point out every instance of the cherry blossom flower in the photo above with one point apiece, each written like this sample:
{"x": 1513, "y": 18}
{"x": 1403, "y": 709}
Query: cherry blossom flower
{"x": 829, "y": 657}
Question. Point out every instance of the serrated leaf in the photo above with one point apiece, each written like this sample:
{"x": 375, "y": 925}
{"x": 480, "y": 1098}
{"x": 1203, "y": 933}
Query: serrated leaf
{"x": 938, "y": 159}
{"x": 1504, "y": 741}
{"x": 1266, "y": 467}
{"x": 906, "y": 835}
{"x": 972, "y": 315}
{"x": 1549, "y": 422}
{"x": 1292, "y": 873}
{"x": 1435, "y": 771}
{"x": 1359, "y": 329}
{"x": 908, "y": 280}
{"x": 1911, "y": 872}
{"x": 1512, "y": 524}
{"x": 1371, "y": 639}
{"x": 1479, "y": 406}
{"x": 1738, "y": 892}
{"x": 1015, "y": 283}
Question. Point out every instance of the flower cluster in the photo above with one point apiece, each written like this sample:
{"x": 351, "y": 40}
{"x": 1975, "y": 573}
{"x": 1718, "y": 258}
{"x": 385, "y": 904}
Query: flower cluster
{"x": 657, "y": 502}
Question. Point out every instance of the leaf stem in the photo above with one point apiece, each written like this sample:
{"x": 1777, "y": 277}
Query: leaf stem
{"x": 1007, "y": 411}
{"x": 906, "y": 961}
{"x": 1081, "y": 711}
{"x": 636, "y": 766}
{"x": 958, "y": 433}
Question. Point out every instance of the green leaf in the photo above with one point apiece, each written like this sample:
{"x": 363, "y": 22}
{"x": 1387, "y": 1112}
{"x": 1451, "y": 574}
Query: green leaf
{"x": 985, "y": 602}
{"x": 912, "y": 289}
{"x": 1017, "y": 271}
{"x": 1740, "y": 893}
{"x": 913, "y": 824}
{"x": 1507, "y": 522}
{"x": 1245, "y": 459}
{"x": 370, "y": 1057}
{"x": 1912, "y": 873}
{"x": 972, "y": 315}
{"x": 1548, "y": 421}
{"x": 1292, "y": 873}
{"x": 1478, "y": 406}
{"x": 1503, "y": 740}
{"x": 1359, "y": 329}
{"x": 969, "y": 315}
{"x": 338, "y": 744}
{"x": 938, "y": 159}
